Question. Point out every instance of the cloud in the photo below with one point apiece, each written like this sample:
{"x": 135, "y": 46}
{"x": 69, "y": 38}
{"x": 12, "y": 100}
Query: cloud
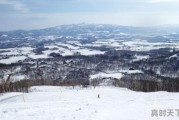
{"x": 15, "y": 5}
{"x": 163, "y": 1}
{"x": 31, "y": 14}
{"x": 38, "y": 21}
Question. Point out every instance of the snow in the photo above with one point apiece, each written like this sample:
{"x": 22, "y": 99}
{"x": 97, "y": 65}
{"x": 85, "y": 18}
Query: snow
{"x": 89, "y": 52}
{"x": 69, "y": 46}
{"x": 71, "y": 50}
{"x": 132, "y": 71}
{"x": 12, "y": 59}
{"x": 105, "y": 75}
{"x": 50, "y": 37}
{"x": 61, "y": 50}
{"x": 38, "y": 56}
{"x": 8, "y": 96}
{"x": 4, "y": 35}
{"x": 25, "y": 50}
{"x": 17, "y": 51}
{"x": 11, "y": 51}
{"x": 140, "y": 57}
{"x": 73, "y": 47}
{"x": 66, "y": 103}
{"x": 17, "y": 78}
{"x": 134, "y": 44}
{"x": 114, "y": 75}
{"x": 173, "y": 56}
{"x": 144, "y": 45}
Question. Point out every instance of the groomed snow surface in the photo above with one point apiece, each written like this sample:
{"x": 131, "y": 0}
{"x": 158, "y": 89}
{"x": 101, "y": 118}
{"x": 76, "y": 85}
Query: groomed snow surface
{"x": 66, "y": 103}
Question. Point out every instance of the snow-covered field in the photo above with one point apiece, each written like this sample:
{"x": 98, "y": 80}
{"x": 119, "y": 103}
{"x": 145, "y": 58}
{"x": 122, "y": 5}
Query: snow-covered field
{"x": 13, "y": 55}
{"x": 21, "y": 53}
{"x": 66, "y": 103}
{"x": 12, "y": 59}
{"x": 114, "y": 75}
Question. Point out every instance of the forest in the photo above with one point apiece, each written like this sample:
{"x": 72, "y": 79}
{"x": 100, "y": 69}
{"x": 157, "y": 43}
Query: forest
{"x": 158, "y": 73}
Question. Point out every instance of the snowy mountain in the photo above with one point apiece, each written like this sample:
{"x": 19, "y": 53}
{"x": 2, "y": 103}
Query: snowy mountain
{"x": 85, "y": 71}
{"x": 86, "y": 53}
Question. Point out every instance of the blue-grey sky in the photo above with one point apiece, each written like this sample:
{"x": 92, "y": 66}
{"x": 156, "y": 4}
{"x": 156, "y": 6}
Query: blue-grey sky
{"x": 35, "y": 14}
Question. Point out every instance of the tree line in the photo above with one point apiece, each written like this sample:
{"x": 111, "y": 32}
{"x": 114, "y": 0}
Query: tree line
{"x": 169, "y": 85}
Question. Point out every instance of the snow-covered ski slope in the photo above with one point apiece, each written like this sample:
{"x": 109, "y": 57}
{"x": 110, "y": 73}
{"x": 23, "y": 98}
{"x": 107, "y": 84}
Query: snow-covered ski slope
{"x": 66, "y": 103}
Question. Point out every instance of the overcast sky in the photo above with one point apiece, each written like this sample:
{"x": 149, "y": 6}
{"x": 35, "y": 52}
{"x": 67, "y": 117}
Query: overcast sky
{"x": 32, "y": 14}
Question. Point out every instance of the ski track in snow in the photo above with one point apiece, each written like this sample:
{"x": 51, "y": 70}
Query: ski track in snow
{"x": 66, "y": 103}
{"x": 5, "y": 100}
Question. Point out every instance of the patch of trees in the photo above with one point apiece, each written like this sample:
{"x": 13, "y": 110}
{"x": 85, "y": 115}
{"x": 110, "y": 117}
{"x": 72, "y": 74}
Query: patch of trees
{"x": 24, "y": 85}
{"x": 55, "y": 55}
{"x": 40, "y": 50}
{"x": 80, "y": 77}
{"x": 88, "y": 40}
{"x": 19, "y": 86}
{"x": 148, "y": 84}
{"x": 163, "y": 67}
